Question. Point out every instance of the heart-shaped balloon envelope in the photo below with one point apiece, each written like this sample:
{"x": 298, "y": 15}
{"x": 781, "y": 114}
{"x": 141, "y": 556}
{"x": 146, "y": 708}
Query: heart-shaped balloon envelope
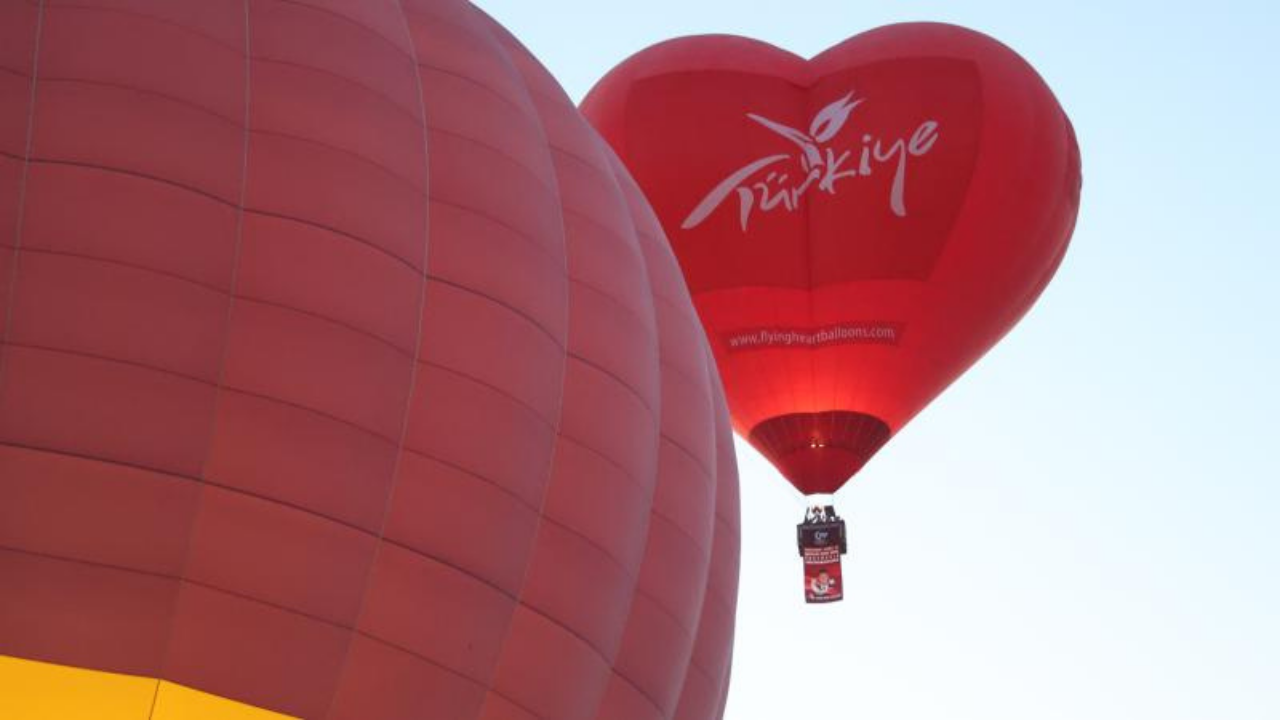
{"x": 856, "y": 229}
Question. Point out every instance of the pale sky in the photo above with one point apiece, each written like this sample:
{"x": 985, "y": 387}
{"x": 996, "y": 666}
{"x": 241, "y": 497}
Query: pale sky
{"x": 1087, "y": 525}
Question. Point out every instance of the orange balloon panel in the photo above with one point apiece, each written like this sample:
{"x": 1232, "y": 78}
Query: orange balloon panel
{"x": 857, "y": 229}
{"x": 345, "y": 373}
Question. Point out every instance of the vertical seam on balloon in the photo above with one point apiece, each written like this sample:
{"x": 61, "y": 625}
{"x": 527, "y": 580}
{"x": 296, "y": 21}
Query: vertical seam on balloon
{"x": 724, "y": 690}
{"x": 707, "y": 595}
{"x": 155, "y": 696}
{"x": 11, "y": 292}
{"x": 780, "y": 391}
{"x": 226, "y": 348}
{"x": 926, "y": 355}
{"x": 810, "y": 354}
{"x": 735, "y": 535}
{"x": 1027, "y": 299}
{"x": 413, "y": 368}
{"x": 537, "y": 118}
{"x": 657, "y": 449}
{"x": 695, "y": 631}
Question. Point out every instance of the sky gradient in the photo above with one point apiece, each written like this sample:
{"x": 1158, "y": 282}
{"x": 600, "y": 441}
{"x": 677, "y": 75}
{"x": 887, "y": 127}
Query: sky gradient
{"x": 1087, "y": 524}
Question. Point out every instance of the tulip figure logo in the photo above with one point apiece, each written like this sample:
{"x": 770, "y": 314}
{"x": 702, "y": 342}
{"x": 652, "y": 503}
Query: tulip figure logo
{"x": 819, "y": 165}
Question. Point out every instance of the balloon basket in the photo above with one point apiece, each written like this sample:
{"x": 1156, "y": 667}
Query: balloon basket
{"x": 821, "y": 540}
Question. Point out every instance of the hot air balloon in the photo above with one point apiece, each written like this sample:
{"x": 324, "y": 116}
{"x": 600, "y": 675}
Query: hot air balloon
{"x": 856, "y": 229}
{"x": 344, "y": 374}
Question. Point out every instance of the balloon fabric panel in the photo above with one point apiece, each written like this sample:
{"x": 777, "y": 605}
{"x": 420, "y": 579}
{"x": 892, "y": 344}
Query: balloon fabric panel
{"x": 344, "y": 374}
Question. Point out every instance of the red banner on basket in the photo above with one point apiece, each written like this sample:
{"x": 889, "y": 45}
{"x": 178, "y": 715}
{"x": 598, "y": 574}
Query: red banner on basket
{"x": 822, "y": 581}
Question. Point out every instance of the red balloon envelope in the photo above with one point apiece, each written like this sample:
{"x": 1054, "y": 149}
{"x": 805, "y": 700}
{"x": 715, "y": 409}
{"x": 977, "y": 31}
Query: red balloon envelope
{"x": 856, "y": 229}
{"x": 344, "y": 374}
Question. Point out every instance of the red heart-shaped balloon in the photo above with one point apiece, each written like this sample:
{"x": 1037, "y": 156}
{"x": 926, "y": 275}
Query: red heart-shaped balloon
{"x": 856, "y": 229}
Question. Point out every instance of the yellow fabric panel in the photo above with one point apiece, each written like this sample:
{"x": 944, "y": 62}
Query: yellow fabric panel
{"x": 176, "y": 702}
{"x": 32, "y": 690}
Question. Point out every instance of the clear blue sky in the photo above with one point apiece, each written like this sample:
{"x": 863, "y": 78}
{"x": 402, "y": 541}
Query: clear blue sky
{"x": 1087, "y": 525}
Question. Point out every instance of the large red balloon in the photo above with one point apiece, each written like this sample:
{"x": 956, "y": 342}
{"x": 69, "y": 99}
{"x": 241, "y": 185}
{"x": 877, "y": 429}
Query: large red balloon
{"x": 344, "y": 373}
{"x": 856, "y": 229}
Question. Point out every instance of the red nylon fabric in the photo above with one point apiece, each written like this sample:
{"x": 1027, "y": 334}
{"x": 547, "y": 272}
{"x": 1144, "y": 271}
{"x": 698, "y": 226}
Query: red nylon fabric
{"x": 344, "y": 372}
{"x": 856, "y": 229}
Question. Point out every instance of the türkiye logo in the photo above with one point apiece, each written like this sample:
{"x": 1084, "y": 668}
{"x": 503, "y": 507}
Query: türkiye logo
{"x": 820, "y": 166}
